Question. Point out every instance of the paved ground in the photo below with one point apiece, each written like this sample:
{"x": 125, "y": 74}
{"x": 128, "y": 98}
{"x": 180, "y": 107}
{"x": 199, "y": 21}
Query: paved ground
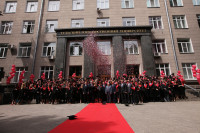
{"x": 171, "y": 117}
{"x": 179, "y": 117}
{"x": 35, "y": 118}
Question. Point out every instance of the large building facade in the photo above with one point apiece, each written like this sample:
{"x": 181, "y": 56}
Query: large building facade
{"x": 99, "y": 36}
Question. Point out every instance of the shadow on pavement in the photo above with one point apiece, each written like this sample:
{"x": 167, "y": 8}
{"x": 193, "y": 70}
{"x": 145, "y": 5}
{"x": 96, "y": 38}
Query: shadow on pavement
{"x": 29, "y": 124}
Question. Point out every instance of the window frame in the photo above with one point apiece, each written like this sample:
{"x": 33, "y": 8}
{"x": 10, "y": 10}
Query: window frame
{"x": 49, "y": 70}
{"x": 161, "y": 43}
{"x": 14, "y": 6}
{"x": 198, "y": 19}
{"x": 18, "y": 73}
{"x": 35, "y": 3}
{"x": 187, "y": 73}
{"x": 27, "y": 47}
{"x": 106, "y": 20}
{"x": 76, "y": 44}
{"x": 82, "y": 4}
{"x": 5, "y": 50}
{"x": 48, "y": 26}
{"x": 164, "y": 68}
{"x": 4, "y": 25}
{"x": 125, "y": 19}
{"x": 172, "y": 3}
{"x": 175, "y": 19}
{"x": 153, "y": 20}
{"x": 128, "y": 52}
{"x": 52, "y": 51}
{"x": 155, "y": 5}
{"x": 75, "y": 21}
{"x": 188, "y": 42}
{"x": 32, "y": 26}
{"x": 123, "y": 4}
{"x": 99, "y": 4}
{"x": 196, "y": 2}
{"x": 50, "y": 7}
{"x": 101, "y": 47}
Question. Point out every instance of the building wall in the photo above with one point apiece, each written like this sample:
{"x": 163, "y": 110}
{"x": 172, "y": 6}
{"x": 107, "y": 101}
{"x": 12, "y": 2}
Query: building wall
{"x": 90, "y": 15}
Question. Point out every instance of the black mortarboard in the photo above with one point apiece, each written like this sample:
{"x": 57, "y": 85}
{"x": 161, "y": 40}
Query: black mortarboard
{"x": 104, "y": 103}
{"x": 126, "y": 104}
{"x": 72, "y": 117}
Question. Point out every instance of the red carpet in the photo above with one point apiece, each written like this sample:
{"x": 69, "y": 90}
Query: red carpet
{"x": 96, "y": 118}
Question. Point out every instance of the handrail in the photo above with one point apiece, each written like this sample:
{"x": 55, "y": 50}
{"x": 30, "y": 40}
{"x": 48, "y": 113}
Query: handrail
{"x": 192, "y": 88}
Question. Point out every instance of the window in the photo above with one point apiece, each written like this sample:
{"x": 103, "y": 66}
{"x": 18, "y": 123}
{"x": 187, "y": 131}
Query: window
{"x": 24, "y": 50}
{"x": 48, "y": 70}
{"x": 176, "y": 3}
{"x": 28, "y": 27}
{"x": 103, "y": 22}
{"x": 131, "y": 47}
{"x": 54, "y": 5}
{"x": 196, "y": 2}
{"x": 11, "y": 7}
{"x": 128, "y": 21}
{"x": 198, "y": 20}
{"x": 18, "y": 72}
{"x": 185, "y": 46}
{"x": 32, "y": 6}
{"x": 76, "y": 48}
{"x": 159, "y": 46}
{"x": 103, "y": 4}
{"x": 3, "y": 50}
{"x": 162, "y": 67}
{"x": 156, "y": 22}
{"x": 127, "y": 3}
{"x": 75, "y": 69}
{"x": 78, "y": 4}
{"x": 51, "y": 25}
{"x": 153, "y": 3}
{"x": 6, "y": 27}
{"x": 187, "y": 70}
{"x": 77, "y": 23}
{"x": 49, "y": 49}
{"x": 2, "y": 73}
{"x": 180, "y": 22}
{"x": 104, "y": 47}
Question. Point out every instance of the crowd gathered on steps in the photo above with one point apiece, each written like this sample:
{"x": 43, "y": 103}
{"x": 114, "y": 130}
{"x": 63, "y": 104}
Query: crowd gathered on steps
{"x": 125, "y": 90}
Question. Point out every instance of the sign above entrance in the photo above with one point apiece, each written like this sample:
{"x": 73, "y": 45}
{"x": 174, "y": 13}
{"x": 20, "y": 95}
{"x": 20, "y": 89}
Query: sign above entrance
{"x": 105, "y": 31}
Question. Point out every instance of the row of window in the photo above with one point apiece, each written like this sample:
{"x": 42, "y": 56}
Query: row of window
{"x": 54, "y": 5}
{"x": 156, "y": 22}
{"x": 76, "y": 48}
{"x": 48, "y": 70}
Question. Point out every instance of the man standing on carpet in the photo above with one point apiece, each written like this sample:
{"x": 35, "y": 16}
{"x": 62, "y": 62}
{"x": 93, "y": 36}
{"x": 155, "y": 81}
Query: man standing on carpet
{"x": 108, "y": 92}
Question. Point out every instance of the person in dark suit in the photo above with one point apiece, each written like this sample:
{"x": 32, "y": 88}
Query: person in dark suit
{"x": 85, "y": 92}
{"x": 108, "y": 92}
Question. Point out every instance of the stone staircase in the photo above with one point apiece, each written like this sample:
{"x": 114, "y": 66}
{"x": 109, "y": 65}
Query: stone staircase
{"x": 193, "y": 94}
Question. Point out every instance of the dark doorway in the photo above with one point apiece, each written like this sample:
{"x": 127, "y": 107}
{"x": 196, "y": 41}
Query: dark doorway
{"x": 1, "y": 73}
{"x": 75, "y": 69}
{"x": 104, "y": 71}
{"x": 132, "y": 70}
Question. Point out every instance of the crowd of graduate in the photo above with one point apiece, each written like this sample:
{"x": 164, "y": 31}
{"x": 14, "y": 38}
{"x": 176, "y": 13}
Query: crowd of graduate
{"x": 126, "y": 90}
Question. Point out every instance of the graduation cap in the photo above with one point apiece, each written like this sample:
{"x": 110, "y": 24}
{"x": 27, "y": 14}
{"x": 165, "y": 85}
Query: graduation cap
{"x": 72, "y": 117}
{"x": 126, "y": 104}
{"x": 104, "y": 103}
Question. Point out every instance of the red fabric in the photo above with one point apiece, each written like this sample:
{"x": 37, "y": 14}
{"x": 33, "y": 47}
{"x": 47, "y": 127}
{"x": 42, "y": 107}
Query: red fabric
{"x": 150, "y": 84}
{"x": 96, "y": 118}
{"x": 145, "y": 85}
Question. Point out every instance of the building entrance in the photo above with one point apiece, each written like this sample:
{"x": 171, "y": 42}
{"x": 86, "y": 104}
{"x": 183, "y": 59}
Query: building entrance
{"x": 75, "y": 69}
{"x": 132, "y": 70}
{"x": 104, "y": 71}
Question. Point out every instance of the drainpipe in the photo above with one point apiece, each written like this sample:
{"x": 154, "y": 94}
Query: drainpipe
{"x": 171, "y": 35}
{"x": 38, "y": 34}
